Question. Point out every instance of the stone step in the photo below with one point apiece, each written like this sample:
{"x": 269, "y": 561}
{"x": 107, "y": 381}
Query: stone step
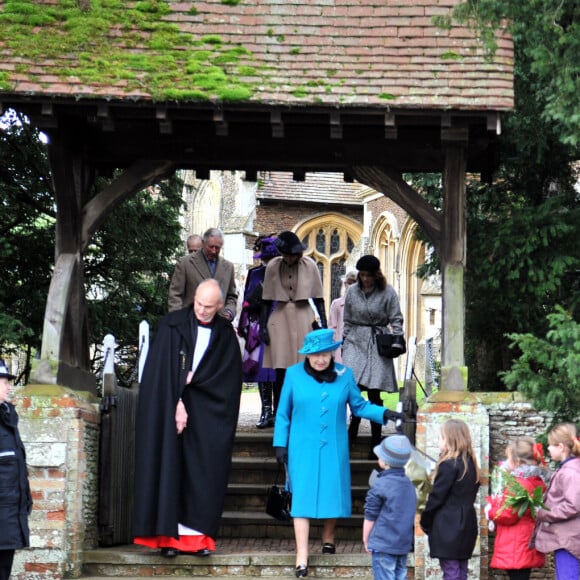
{"x": 235, "y": 558}
{"x": 252, "y": 497}
{"x": 263, "y": 470}
{"x": 258, "y": 443}
{"x": 254, "y": 471}
{"x": 259, "y": 525}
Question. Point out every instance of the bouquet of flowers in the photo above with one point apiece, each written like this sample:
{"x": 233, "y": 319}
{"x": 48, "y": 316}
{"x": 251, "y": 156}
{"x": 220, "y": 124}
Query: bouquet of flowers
{"x": 497, "y": 480}
{"x": 497, "y": 488}
{"x": 515, "y": 495}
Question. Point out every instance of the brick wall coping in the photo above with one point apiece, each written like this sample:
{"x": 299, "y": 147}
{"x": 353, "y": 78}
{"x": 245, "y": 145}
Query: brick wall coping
{"x": 35, "y": 400}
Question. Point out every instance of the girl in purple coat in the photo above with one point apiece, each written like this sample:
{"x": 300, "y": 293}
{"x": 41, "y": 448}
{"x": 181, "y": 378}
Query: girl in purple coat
{"x": 249, "y": 329}
{"x": 558, "y": 527}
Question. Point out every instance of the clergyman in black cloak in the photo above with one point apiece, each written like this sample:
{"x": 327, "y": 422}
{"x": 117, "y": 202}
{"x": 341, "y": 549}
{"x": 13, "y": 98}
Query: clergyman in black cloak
{"x": 181, "y": 479}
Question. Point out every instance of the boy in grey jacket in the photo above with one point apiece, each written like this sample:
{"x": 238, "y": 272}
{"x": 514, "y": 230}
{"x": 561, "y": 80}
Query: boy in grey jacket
{"x": 390, "y": 511}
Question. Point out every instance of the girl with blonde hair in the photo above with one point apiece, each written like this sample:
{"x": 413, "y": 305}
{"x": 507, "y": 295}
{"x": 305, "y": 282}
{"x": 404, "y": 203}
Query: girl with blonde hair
{"x": 449, "y": 518}
{"x": 525, "y": 464}
{"x": 558, "y": 527}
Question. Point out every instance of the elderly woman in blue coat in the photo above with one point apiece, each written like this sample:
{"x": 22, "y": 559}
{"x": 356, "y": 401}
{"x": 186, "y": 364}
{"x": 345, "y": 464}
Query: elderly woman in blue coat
{"x": 310, "y": 436}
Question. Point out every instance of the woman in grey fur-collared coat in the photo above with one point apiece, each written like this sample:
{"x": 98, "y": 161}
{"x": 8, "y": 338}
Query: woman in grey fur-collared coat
{"x": 370, "y": 303}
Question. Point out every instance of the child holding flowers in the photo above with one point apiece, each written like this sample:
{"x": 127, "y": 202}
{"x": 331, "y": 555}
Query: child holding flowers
{"x": 512, "y": 508}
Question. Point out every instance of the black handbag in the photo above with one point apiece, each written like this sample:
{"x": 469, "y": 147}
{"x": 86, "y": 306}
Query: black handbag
{"x": 278, "y": 501}
{"x": 390, "y": 345}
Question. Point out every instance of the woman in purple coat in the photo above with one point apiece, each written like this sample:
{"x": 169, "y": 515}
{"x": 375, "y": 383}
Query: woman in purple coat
{"x": 249, "y": 329}
{"x": 310, "y": 435}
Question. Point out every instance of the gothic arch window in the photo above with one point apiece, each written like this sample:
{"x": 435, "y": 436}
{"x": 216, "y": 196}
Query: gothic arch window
{"x": 412, "y": 256}
{"x": 330, "y": 239}
{"x": 385, "y": 243}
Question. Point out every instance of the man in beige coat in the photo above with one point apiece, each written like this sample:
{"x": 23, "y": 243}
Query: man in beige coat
{"x": 198, "y": 266}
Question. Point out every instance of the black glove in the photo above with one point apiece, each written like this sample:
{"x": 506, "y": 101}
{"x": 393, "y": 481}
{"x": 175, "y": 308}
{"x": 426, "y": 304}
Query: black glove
{"x": 394, "y": 416}
{"x": 264, "y": 335}
{"x": 281, "y": 455}
{"x": 265, "y": 308}
{"x": 319, "y": 303}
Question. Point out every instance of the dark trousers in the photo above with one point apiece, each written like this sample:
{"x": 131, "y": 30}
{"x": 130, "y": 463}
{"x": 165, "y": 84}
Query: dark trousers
{"x": 6, "y": 558}
{"x": 374, "y": 396}
{"x": 280, "y": 376}
{"x": 523, "y": 574}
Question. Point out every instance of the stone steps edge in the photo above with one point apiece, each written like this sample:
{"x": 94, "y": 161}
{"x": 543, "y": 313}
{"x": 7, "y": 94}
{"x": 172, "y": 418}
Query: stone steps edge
{"x": 96, "y": 557}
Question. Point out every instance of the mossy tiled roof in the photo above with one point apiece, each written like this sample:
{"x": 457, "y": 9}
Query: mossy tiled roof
{"x": 371, "y": 53}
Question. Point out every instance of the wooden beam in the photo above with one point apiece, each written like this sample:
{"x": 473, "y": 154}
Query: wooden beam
{"x": 494, "y": 123}
{"x": 65, "y": 341}
{"x": 335, "y": 125}
{"x": 390, "y": 182}
{"x": 390, "y": 126}
{"x": 166, "y": 127}
{"x": 137, "y": 177}
{"x": 221, "y": 125}
{"x": 57, "y": 305}
{"x": 103, "y": 111}
{"x": 277, "y": 125}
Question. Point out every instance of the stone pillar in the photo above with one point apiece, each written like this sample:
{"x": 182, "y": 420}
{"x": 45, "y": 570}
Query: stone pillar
{"x": 60, "y": 431}
{"x": 439, "y": 408}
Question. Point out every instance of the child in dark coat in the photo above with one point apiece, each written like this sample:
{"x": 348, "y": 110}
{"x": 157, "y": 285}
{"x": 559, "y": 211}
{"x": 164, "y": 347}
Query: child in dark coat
{"x": 390, "y": 511}
{"x": 449, "y": 518}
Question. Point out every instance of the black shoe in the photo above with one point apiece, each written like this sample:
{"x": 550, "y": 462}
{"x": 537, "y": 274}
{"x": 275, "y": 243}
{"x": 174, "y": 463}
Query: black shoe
{"x": 328, "y": 548}
{"x": 201, "y": 553}
{"x": 169, "y": 552}
{"x": 266, "y": 421}
{"x": 301, "y": 571}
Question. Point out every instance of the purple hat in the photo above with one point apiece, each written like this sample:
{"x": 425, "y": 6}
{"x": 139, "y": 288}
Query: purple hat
{"x": 268, "y": 249}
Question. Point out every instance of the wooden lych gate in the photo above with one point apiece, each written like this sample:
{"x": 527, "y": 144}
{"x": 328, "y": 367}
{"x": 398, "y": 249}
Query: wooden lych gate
{"x": 117, "y": 446}
{"x": 372, "y": 90}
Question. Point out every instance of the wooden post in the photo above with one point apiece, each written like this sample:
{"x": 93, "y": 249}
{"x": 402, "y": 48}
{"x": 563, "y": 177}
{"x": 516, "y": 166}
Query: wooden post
{"x": 65, "y": 346}
{"x": 453, "y": 255}
{"x": 408, "y": 394}
{"x": 65, "y": 355}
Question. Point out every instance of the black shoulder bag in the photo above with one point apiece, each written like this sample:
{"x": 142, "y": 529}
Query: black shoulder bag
{"x": 390, "y": 345}
{"x": 278, "y": 501}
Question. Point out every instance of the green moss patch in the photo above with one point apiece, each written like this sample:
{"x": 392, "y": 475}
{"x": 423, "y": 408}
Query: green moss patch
{"x": 117, "y": 40}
